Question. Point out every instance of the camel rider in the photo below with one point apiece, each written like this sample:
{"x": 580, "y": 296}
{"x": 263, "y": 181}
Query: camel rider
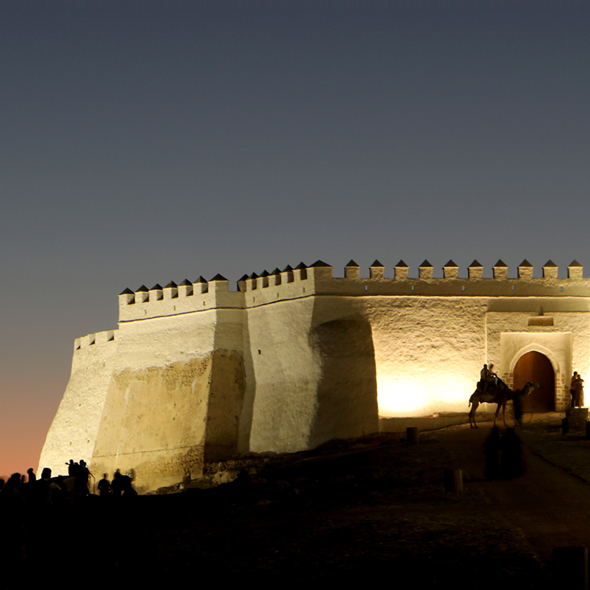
{"x": 488, "y": 376}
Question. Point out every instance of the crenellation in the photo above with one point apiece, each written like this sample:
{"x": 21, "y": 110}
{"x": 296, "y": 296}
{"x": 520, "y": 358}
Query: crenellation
{"x": 95, "y": 339}
{"x": 319, "y": 271}
{"x": 288, "y": 273}
{"x": 550, "y": 270}
{"x": 275, "y": 276}
{"x": 242, "y": 283}
{"x": 401, "y": 271}
{"x": 475, "y": 270}
{"x": 525, "y": 270}
{"x": 286, "y": 285}
{"x": 575, "y": 270}
{"x": 219, "y": 295}
{"x": 500, "y": 270}
{"x": 300, "y": 272}
{"x": 425, "y": 270}
{"x": 185, "y": 289}
{"x": 450, "y": 270}
{"x": 200, "y": 286}
{"x": 171, "y": 291}
{"x": 216, "y": 279}
{"x": 352, "y": 270}
{"x": 376, "y": 271}
{"x": 201, "y": 295}
{"x": 156, "y": 293}
{"x": 126, "y": 297}
{"x": 318, "y": 279}
{"x": 142, "y": 294}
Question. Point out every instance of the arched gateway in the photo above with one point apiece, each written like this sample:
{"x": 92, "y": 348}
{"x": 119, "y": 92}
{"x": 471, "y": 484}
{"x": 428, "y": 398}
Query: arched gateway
{"x": 536, "y": 367}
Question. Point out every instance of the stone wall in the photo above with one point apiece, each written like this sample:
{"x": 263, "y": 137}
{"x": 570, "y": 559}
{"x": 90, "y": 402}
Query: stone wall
{"x": 74, "y": 429}
{"x": 293, "y": 358}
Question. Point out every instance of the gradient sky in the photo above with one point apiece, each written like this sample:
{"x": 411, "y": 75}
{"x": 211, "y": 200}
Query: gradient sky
{"x": 144, "y": 145}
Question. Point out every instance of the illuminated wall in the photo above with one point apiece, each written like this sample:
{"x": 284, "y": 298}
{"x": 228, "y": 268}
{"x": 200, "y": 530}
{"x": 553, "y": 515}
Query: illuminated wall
{"x": 76, "y": 425}
{"x": 294, "y": 358}
{"x": 428, "y": 353}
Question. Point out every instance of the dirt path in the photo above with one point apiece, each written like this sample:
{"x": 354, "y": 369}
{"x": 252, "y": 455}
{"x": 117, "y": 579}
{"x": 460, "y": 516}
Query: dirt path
{"x": 549, "y": 506}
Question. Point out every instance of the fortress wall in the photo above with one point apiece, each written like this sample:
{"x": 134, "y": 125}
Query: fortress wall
{"x": 428, "y": 352}
{"x": 287, "y": 285}
{"x": 283, "y": 371}
{"x": 155, "y": 416}
{"x": 75, "y": 427}
{"x": 294, "y": 358}
{"x": 227, "y": 386}
{"x": 312, "y": 369}
{"x": 342, "y": 341}
{"x": 320, "y": 280}
{"x": 457, "y": 287}
{"x": 524, "y": 285}
{"x": 179, "y": 300}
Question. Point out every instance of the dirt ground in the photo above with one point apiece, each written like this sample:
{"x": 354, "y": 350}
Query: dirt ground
{"x": 369, "y": 510}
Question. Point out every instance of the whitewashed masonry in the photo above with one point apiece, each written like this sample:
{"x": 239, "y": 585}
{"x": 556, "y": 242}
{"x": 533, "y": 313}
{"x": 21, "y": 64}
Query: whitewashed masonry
{"x": 293, "y": 358}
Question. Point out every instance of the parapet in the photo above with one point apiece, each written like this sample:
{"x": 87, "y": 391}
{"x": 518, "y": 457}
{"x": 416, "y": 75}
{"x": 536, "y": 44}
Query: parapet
{"x": 254, "y": 290}
{"x": 319, "y": 280}
{"x": 95, "y": 339}
{"x": 173, "y": 299}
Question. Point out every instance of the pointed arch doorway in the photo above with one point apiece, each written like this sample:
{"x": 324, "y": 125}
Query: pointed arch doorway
{"x": 536, "y": 367}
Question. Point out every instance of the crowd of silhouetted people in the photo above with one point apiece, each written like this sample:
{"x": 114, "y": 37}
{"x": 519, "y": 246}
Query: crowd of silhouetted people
{"x": 53, "y": 491}
{"x": 42, "y": 517}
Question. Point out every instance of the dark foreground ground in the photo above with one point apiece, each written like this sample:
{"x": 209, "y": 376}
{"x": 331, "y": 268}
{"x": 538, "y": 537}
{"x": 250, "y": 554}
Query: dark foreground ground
{"x": 371, "y": 510}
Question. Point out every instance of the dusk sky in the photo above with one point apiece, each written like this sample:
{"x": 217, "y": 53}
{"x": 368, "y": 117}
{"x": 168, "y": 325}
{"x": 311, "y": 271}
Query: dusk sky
{"x": 144, "y": 145}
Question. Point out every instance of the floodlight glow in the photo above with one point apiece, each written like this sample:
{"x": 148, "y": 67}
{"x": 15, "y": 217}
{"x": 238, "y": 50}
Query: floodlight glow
{"x": 423, "y": 395}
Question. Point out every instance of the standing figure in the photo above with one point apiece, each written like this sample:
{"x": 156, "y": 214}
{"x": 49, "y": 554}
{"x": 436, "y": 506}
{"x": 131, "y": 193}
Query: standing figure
{"x": 578, "y": 391}
{"x": 573, "y": 387}
{"x": 81, "y": 481}
{"x": 117, "y": 484}
{"x": 104, "y": 486}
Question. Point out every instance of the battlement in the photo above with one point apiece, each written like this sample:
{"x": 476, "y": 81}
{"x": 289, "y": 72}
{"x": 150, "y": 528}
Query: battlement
{"x": 95, "y": 339}
{"x": 318, "y": 279}
{"x": 173, "y": 299}
{"x": 303, "y": 281}
{"x": 451, "y": 284}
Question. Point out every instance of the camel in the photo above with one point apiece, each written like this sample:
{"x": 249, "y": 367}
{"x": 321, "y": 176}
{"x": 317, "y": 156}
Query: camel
{"x": 499, "y": 394}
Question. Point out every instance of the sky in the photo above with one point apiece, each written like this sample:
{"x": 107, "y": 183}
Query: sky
{"x": 144, "y": 142}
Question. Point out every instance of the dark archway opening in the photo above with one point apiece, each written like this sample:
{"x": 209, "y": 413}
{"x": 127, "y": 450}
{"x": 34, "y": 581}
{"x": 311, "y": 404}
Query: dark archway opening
{"x": 536, "y": 367}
